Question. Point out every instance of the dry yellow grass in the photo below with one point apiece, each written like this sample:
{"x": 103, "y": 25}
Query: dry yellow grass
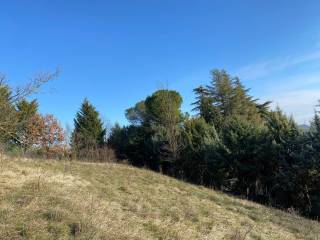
{"x": 42, "y": 199}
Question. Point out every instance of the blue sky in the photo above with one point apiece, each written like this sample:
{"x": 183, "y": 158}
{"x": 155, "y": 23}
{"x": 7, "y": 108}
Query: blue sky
{"x": 116, "y": 53}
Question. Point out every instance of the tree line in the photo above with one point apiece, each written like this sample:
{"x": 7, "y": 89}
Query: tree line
{"x": 233, "y": 143}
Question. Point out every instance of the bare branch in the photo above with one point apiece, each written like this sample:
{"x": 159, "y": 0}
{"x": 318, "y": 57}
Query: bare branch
{"x": 34, "y": 85}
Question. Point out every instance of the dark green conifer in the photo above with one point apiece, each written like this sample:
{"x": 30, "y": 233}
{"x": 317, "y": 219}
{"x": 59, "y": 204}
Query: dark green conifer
{"x": 25, "y": 112}
{"x": 89, "y": 131}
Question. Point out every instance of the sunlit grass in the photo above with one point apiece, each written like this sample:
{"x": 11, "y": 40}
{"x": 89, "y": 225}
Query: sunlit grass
{"x": 43, "y": 199}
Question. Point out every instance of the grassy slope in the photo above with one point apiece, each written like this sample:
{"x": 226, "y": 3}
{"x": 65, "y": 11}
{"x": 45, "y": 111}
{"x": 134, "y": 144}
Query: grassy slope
{"x": 55, "y": 200}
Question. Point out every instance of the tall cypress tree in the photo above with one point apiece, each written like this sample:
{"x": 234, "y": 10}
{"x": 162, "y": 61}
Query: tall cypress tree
{"x": 89, "y": 131}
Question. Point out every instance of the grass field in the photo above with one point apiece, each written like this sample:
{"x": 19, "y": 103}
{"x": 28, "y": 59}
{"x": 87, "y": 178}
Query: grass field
{"x": 43, "y": 199}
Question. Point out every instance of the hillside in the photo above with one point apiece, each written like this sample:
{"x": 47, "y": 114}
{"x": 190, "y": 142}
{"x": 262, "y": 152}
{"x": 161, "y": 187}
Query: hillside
{"x": 61, "y": 200}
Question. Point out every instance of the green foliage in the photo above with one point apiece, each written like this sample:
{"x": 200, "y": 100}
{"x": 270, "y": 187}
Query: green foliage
{"x": 89, "y": 132}
{"x": 9, "y": 98}
{"x": 137, "y": 114}
{"x": 243, "y": 105}
{"x": 226, "y": 97}
{"x": 153, "y": 138}
{"x": 221, "y": 91}
{"x": 27, "y": 110}
{"x": 244, "y": 162}
{"x": 134, "y": 143}
{"x": 293, "y": 173}
{"x": 234, "y": 144}
{"x": 163, "y": 107}
{"x": 312, "y": 166}
{"x": 163, "y": 126}
{"x": 25, "y": 113}
{"x": 8, "y": 118}
{"x": 194, "y": 163}
{"x": 314, "y": 136}
{"x": 284, "y": 131}
{"x": 204, "y": 106}
{"x": 118, "y": 141}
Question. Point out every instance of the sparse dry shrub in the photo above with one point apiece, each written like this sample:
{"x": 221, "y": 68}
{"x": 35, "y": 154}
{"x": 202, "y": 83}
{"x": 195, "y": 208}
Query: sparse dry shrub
{"x": 241, "y": 234}
{"x": 97, "y": 154}
{"x": 59, "y": 152}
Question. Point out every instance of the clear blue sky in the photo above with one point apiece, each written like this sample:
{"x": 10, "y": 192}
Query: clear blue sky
{"x": 117, "y": 52}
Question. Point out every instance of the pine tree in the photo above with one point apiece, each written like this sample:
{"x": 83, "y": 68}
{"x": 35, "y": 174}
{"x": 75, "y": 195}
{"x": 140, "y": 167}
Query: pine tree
{"x": 194, "y": 164}
{"x": 8, "y": 116}
{"x": 26, "y": 109}
{"x": 243, "y": 162}
{"x": 26, "y": 112}
{"x": 226, "y": 97}
{"x": 118, "y": 141}
{"x": 221, "y": 91}
{"x": 314, "y": 134}
{"x": 313, "y": 160}
{"x": 137, "y": 115}
{"x": 243, "y": 105}
{"x": 164, "y": 118}
{"x": 288, "y": 186}
{"x": 89, "y": 132}
{"x": 204, "y": 106}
